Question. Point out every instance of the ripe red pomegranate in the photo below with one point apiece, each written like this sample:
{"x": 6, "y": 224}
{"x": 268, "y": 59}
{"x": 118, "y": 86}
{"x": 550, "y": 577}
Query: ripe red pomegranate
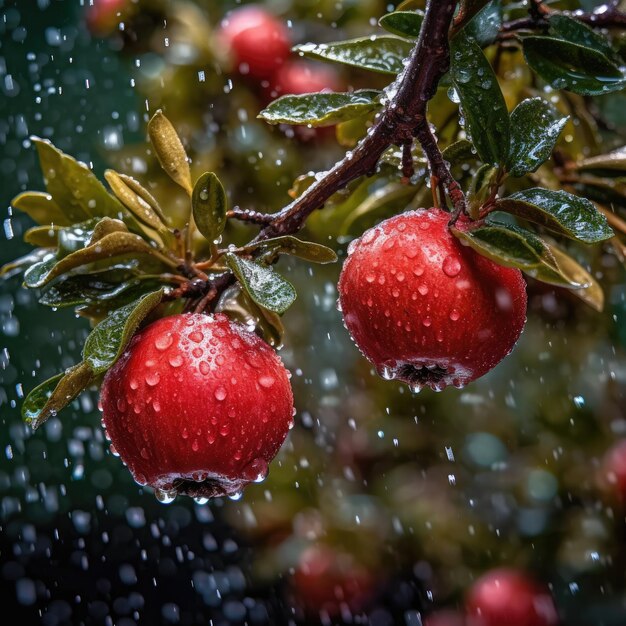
{"x": 298, "y": 77}
{"x": 613, "y": 471}
{"x": 257, "y": 42}
{"x": 325, "y": 580}
{"x": 508, "y": 597}
{"x": 197, "y": 405}
{"x": 425, "y": 309}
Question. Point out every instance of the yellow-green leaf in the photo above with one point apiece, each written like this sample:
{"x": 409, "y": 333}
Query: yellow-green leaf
{"x": 41, "y": 207}
{"x": 208, "y": 203}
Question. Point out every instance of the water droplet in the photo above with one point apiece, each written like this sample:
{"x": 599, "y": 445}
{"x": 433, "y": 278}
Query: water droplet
{"x": 400, "y": 277}
{"x": 236, "y": 496}
{"x": 220, "y": 393}
{"x": 121, "y": 404}
{"x": 163, "y": 342}
{"x": 256, "y": 470}
{"x": 454, "y": 315}
{"x": 195, "y": 446}
{"x": 197, "y": 352}
{"x": 423, "y": 289}
{"x": 144, "y": 453}
{"x": 266, "y": 381}
{"x": 165, "y": 497}
{"x": 200, "y": 500}
{"x": 134, "y": 384}
{"x": 176, "y": 360}
{"x": 204, "y": 368}
{"x": 196, "y": 336}
{"x": 185, "y": 433}
{"x": 370, "y": 278}
{"x": 427, "y": 321}
{"x": 152, "y": 379}
{"x": 451, "y": 266}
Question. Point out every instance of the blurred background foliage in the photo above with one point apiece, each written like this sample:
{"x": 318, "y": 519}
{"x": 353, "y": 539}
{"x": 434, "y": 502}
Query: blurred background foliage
{"x": 399, "y": 501}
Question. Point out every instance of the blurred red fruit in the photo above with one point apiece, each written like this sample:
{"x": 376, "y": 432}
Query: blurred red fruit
{"x": 257, "y": 42}
{"x": 506, "y": 597}
{"x": 425, "y": 309}
{"x": 197, "y": 405}
{"x": 445, "y": 618}
{"x": 104, "y": 16}
{"x": 298, "y": 77}
{"x": 613, "y": 470}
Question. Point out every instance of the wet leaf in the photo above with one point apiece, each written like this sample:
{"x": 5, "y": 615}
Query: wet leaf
{"x": 593, "y": 295}
{"x": 484, "y": 27}
{"x": 107, "y": 340}
{"x": 111, "y": 246}
{"x": 383, "y": 54}
{"x": 47, "y": 399}
{"x": 267, "y": 288}
{"x": 535, "y": 128}
{"x": 468, "y": 9}
{"x": 105, "y": 227}
{"x": 486, "y": 115}
{"x": 565, "y": 65}
{"x": 38, "y": 271}
{"x": 570, "y": 29}
{"x": 144, "y": 194}
{"x": 170, "y": 151}
{"x": 40, "y": 207}
{"x": 43, "y": 236}
{"x": 403, "y": 23}
{"x": 307, "y": 250}
{"x": 73, "y": 186}
{"x": 321, "y": 109}
{"x": 19, "y": 264}
{"x": 133, "y": 202}
{"x": 459, "y": 152}
{"x": 516, "y": 247}
{"x": 560, "y": 212}
{"x": 75, "y": 237}
{"x": 481, "y": 186}
{"x": 209, "y": 206}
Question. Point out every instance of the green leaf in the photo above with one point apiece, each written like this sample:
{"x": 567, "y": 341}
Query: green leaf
{"x": 612, "y": 163}
{"x": 107, "y": 340}
{"x": 383, "y": 54}
{"x": 267, "y": 288}
{"x": 459, "y": 152}
{"x": 565, "y": 65}
{"x": 481, "y": 186}
{"x": 592, "y": 294}
{"x": 28, "y": 260}
{"x": 38, "y": 271}
{"x": 484, "y": 27}
{"x": 321, "y": 109}
{"x": 43, "y": 236}
{"x": 134, "y": 202}
{"x": 47, "y": 399}
{"x": 209, "y": 206}
{"x": 73, "y": 186}
{"x": 105, "y": 227}
{"x": 40, "y": 207}
{"x": 144, "y": 194}
{"x": 468, "y": 9}
{"x": 570, "y": 29}
{"x": 535, "y": 127}
{"x": 75, "y": 237}
{"x": 169, "y": 150}
{"x": 515, "y": 247}
{"x": 113, "y": 245}
{"x": 486, "y": 115}
{"x": 560, "y": 212}
{"x": 287, "y": 244}
{"x": 403, "y": 23}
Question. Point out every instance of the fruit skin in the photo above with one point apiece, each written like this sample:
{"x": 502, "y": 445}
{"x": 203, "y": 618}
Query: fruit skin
{"x": 425, "y": 309}
{"x": 257, "y": 42}
{"x": 507, "y": 597}
{"x": 198, "y": 405}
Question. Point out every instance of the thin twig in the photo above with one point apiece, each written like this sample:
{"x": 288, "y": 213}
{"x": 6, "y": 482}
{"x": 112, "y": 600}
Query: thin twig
{"x": 249, "y": 215}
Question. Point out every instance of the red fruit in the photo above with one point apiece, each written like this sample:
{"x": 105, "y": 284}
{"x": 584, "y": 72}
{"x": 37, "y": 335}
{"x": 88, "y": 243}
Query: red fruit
{"x": 613, "y": 470}
{"x": 325, "y": 580}
{"x": 256, "y": 40}
{"x": 298, "y": 77}
{"x": 425, "y": 309}
{"x": 104, "y": 16}
{"x": 197, "y": 405}
{"x": 506, "y": 597}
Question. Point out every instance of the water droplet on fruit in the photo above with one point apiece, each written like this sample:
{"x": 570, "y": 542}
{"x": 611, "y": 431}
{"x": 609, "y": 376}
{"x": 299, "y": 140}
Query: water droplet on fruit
{"x": 163, "y": 342}
{"x": 266, "y": 381}
{"x": 370, "y": 278}
{"x": 454, "y": 315}
{"x": 400, "y": 277}
{"x": 152, "y": 379}
{"x": 256, "y": 470}
{"x": 140, "y": 479}
{"x": 389, "y": 243}
{"x": 451, "y": 266}
{"x": 185, "y": 433}
{"x": 134, "y": 384}
{"x": 219, "y": 359}
{"x": 121, "y": 404}
{"x": 416, "y": 388}
{"x": 220, "y": 393}
{"x": 165, "y": 497}
{"x": 195, "y": 445}
{"x": 410, "y": 253}
{"x": 381, "y": 279}
{"x": 144, "y": 454}
{"x": 423, "y": 289}
{"x": 113, "y": 450}
{"x": 197, "y": 352}
{"x": 395, "y": 292}
{"x": 427, "y": 321}
{"x": 224, "y": 430}
{"x": 204, "y": 367}
{"x": 156, "y": 405}
{"x": 176, "y": 360}
{"x": 236, "y": 496}
{"x": 196, "y": 336}
{"x": 200, "y": 500}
